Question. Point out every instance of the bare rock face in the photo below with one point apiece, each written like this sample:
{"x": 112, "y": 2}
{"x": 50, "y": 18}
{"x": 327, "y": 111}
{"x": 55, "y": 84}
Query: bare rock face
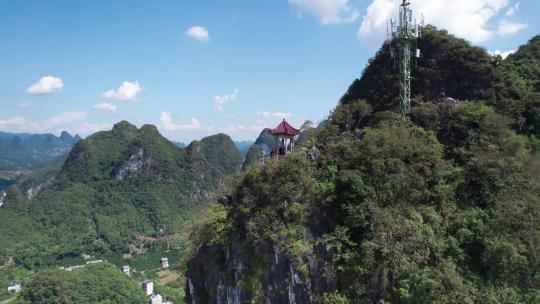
{"x": 240, "y": 273}
{"x": 34, "y": 190}
{"x": 136, "y": 162}
{"x": 2, "y": 196}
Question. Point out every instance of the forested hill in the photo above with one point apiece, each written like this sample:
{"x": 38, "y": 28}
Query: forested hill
{"x": 451, "y": 67}
{"x": 116, "y": 186}
{"x": 263, "y": 146}
{"x": 439, "y": 206}
{"x": 28, "y": 149}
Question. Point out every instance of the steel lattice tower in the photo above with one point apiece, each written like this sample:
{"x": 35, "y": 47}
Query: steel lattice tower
{"x": 402, "y": 38}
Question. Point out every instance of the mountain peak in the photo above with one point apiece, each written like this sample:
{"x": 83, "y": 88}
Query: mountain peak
{"x": 66, "y": 137}
{"x": 449, "y": 67}
{"x": 124, "y": 126}
{"x": 150, "y": 129}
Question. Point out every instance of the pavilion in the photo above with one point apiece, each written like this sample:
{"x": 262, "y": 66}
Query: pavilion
{"x": 282, "y": 133}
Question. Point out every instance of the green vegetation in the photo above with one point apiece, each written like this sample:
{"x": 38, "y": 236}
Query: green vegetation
{"x": 118, "y": 192}
{"x": 97, "y": 283}
{"x": 19, "y": 150}
{"x": 519, "y": 90}
{"x": 441, "y": 206}
{"x": 29, "y": 175}
{"x": 17, "y": 275}
{"x": 222, "y": 152}
{"x": 261, "y": 147}
{"x": 28, "y": 159}
{"x": 451, "y": 67}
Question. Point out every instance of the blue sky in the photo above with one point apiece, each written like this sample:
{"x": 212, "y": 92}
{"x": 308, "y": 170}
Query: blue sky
{"x": 195, "y": 68}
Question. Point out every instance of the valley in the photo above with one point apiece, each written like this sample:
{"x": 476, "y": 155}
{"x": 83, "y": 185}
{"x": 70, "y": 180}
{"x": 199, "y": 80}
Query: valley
{"x": 374, "y": 204}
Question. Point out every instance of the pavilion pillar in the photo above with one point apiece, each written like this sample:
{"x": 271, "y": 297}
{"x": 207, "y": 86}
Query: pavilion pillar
{"x": 276, "y": 144}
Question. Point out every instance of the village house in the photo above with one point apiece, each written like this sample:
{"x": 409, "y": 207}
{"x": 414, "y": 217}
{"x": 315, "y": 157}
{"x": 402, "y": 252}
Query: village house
{"x": 165, "y": 262}
{"x": 14, "y": 287}
{"x": 156, "y": 299}
{"x": 148, "y": 287}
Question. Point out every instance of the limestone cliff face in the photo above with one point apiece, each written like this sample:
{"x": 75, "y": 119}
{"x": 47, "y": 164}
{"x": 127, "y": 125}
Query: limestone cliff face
{"x": 136, "y": 162}
{"x": 257, "y": 260}
{"x": 35, "y": 189}
{"x": 243, "y": 274}
{"x": 263, "y": 146}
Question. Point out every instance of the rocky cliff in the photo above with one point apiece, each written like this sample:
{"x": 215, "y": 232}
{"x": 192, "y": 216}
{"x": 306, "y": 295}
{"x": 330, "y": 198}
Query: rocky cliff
{"x": 438, "y": 206}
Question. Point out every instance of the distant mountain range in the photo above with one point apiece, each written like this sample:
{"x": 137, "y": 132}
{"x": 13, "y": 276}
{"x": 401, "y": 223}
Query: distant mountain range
{"x": 23, "y": 149}
{"x": 179, "y": 144}
{"x": 243, "y": 146}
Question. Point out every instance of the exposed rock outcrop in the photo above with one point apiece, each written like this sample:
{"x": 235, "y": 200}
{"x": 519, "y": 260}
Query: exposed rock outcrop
{"x": 243, "y": 274}
{"x": 2, "y": 197}
{"x": 136, "y": 162}
{"x": 34, "y": 189}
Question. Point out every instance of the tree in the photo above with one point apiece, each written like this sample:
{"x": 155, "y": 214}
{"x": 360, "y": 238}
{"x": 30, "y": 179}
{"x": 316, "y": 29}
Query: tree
{"x": 98, "y": 283}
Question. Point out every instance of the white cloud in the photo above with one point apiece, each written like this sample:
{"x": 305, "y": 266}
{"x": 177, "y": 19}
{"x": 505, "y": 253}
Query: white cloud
{"x": 25, "y": 104}
{"x": 513, "y": 10}
{"x": 267, "y": 114}
{"x": 105, "y": 106}
{"x": 258, "y": 126}
{"x": 220, "y": 101}
{"x": 63, "y": 118}
{"x": 5, "y": 124}
{"x": 89, "y": 128}
{"x": 199, "y": 33}
{"x": 63, "y": 121}
{"x": 169, "y": 125}
{"x": 507, "y": 27}
{"x": 467, "y": 19}
{"x": 128, "y": 91}
{"x": 503, "y": 54}
{"x": 248, "y": 131}
{"x": 327, "y": 11}
{"x": 46, "y": 85}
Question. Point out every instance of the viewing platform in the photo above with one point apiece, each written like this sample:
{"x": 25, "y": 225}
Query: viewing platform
{"x": 284, "y": 138}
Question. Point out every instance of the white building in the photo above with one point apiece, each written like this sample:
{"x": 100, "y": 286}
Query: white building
{"x": 148, "y": 287}
{"x": 156, "y": 299}
{"x": 2, "y": 196}
{"x": 94, "y": 262}
{"x": 75, "y": 267}
{"x": 165, "y": 262}
{"x": 125, "y": 269}
{"x": 14, "y": 287}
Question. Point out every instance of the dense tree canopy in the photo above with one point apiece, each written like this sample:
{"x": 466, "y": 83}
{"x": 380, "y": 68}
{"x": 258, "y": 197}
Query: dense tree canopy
{"x": 443, "y": 209}
{"x": 451, "y": 67}
{"x": 439, "y": 206}
{"x": 99, "y": 283}
{"x": 115, "y": 186}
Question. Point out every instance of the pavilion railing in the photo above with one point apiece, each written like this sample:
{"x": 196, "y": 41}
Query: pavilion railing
{"x": 265, "y": 158}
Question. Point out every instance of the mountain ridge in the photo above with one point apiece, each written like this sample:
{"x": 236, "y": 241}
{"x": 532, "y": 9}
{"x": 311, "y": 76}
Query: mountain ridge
{"x": 437, "y": 206}
{"x": 120, "y": 184}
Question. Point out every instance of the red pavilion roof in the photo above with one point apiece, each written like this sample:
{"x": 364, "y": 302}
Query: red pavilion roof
{"x": 284, "y": 128}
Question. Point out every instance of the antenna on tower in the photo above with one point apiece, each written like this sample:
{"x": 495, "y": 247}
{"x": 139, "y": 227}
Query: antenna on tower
{"x": 403, "y": 39}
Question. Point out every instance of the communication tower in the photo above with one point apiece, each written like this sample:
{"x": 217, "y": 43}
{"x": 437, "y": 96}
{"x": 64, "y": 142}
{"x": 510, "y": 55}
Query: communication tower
{"x": 402, "y": 37}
